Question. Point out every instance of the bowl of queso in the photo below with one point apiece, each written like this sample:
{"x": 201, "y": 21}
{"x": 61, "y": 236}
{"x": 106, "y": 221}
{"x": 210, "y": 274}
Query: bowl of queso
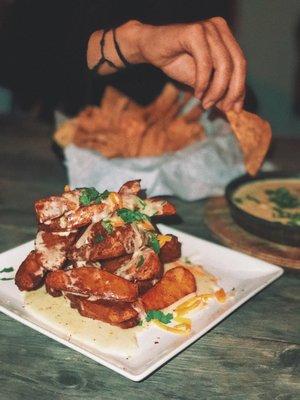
{"x": 267, "y": 205}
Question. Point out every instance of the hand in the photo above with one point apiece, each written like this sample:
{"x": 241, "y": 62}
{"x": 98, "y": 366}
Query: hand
{"x": 203, "y": 55}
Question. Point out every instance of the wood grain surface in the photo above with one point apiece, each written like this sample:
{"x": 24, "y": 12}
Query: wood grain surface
{"x": 218, "y": 219}
{"x": 253, "y": 354}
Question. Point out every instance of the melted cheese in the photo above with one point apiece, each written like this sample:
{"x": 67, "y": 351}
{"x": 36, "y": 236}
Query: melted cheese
{"x": 84, "y": 237}
{"x": 163, "y": 239}
{"x": 96, "y": 335}
{"x": 52, "y": 257}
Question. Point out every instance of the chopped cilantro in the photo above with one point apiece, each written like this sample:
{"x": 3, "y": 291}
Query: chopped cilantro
{"x": 252, "y": 198}
{"x": 91, "y": 195}
{"x": 9, "y": 269}
{"x": 141, "y": 262}
{"x": 99, "y": 238}
{"x": 160, "y": 316}
{"x": 6, "y": 279}
{"x": 238, "y": 200}
{"x": 141, "y": 203}
{"x": 107, "y": 226}
{"x": 153, "y": 242}
{"x": 283, "y": 198}
{"x": 129, "y": 216}
{"x": 295, "y": 220}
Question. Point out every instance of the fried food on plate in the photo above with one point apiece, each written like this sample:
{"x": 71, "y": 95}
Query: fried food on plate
{"x": 92, "y": 282}
{"x": 52, "y": 247}
{"x": 131, "y": 187}
{"x": 254, "y": 135}
{"x": 175, "y": 284}
{"x": 120, "y": 314}
{"x": 170, "y": 250}
{"x": 30, "y": 274}
{"x": 97, "y": 244}
{"x": 103, "y": 251}
{"x": 143, "y": 265}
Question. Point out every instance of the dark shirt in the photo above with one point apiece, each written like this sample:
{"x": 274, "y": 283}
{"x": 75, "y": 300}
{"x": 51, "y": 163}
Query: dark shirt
{"x": 43, "y": 48}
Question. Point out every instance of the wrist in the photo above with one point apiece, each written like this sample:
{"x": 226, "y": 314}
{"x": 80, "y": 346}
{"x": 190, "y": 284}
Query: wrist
{"x": 129, "y": 37}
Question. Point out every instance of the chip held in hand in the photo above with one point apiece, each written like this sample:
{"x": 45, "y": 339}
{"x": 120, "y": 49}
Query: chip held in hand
{"x": 254, "y": 136}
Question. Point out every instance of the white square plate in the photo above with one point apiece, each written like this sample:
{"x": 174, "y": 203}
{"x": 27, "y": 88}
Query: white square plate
{"x": 246, "y": 274}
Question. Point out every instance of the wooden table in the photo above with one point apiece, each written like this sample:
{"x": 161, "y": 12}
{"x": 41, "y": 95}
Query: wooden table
{"x": 253, "y": 354}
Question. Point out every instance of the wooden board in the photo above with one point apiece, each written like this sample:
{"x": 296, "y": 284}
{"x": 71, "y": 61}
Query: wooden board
{"x": 218, "y": 219}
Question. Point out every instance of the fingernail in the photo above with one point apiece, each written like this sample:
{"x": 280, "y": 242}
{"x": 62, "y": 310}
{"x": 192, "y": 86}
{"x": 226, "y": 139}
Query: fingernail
{"x": 199, "y": 94}
{"x": 207, "y": 104}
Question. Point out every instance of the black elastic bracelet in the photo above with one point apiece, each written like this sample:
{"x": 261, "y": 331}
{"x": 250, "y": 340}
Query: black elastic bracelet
{"x": 103, "y": 59}
{"x": 118, "y": 50}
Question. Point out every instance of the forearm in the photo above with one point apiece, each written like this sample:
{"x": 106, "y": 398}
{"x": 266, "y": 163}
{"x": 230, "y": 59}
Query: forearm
{"x": 128, "y": 37}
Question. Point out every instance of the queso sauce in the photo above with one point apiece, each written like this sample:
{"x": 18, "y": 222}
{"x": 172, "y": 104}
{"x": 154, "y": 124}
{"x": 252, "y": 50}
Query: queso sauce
{"x": 275, "y": 200}
{"x": 100, "y": 336}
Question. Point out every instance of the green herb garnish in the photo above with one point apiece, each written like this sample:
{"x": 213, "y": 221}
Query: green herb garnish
{"x": 283, "y": 198}
{"x": 153, "y": 242}
{"x": 9, "y": 269}
{"x": 129, "y": 216}
{"x": 108, "y": 227}
{"x": 295, "y": 220}
{"x": 91, "y": 195}
{"x": 238, "y": 200}
{"x": 141, "y": 262}
{"x": 99, "y": 238}
{"x": 6, "y": 279}
{"x": 160, "y": 316}
{"x": 141, "y": 202}
{"x": 252, "y": 198}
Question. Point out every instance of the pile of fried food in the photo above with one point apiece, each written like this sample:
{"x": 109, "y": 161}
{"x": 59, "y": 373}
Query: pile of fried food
{"x": 120, "y": 127}
{"x": 104, "y": 253}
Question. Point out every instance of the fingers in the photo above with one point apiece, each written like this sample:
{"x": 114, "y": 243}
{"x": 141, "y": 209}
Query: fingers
{"x": 234, "y": 97}
{"x": 222, "y": 65}
{"x": 197, "y": 45}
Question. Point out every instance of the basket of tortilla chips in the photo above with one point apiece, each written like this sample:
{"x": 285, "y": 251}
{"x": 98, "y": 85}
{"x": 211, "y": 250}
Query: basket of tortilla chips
{"x": 170, "y": 143}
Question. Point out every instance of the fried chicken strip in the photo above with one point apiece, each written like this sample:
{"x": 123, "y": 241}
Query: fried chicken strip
{"x": 175, "y": 284}
{"x": 123, "y": 240}
{"x": 111, "y": 265}
{"x": 52, "y": 248}
{"x": 144, "y": 265}
{"x": 93, "y": 283}
{"x": 131, "y": 187}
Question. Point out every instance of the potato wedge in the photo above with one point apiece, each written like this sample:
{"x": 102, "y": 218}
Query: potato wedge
{"x": 114, "y": 313}
{"x": 30, "y": 275}
{"x": 171, "y": 250}
{"x": 175, "y": 284}
{"x": 92, "y": 282}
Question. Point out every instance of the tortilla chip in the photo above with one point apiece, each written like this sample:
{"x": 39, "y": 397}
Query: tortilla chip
{"x": 162, "y": 103}
{"x": 122, "y": 128}
{"x": 254, "y": 135}
{"x": 181, "y": 133}
{"x": 65, "y": 133}
{"x": 154, "y": 141}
